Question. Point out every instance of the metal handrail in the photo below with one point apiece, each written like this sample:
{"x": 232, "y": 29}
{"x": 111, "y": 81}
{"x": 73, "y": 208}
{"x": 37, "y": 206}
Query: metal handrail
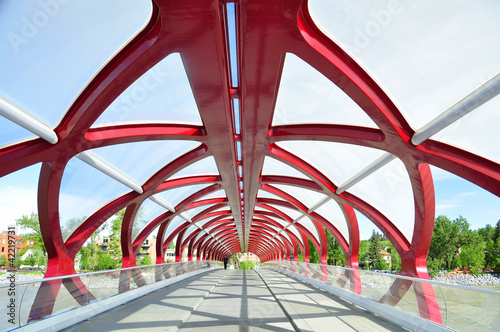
{"x": 98, "y": 272}
{"x": 469, "y": 288}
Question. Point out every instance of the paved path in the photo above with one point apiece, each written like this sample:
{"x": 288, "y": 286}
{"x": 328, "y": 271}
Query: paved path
{"x": 237, "y": 300}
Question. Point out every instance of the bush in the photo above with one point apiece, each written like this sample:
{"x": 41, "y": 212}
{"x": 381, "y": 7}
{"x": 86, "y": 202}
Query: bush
{"x": 246, "y": 265}
{"x": 105, "y": 261}
{"x": 433, "y": 266}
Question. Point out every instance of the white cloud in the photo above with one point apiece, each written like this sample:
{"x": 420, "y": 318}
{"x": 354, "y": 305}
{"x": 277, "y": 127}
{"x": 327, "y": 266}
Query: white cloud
{"x": 16, "y": 202}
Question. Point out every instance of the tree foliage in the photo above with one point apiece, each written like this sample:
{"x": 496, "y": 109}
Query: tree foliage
{"x": 448, "y": 237}
{"x": 313, "y": 253}
{"x": 3, "y": 261}
{"x": 146, "y": 260}
{"x": 375, "y": 259}
{"x": 105, "y": 261}
{"x": 335, "y": 255}
{"x": 31, "y": 223}
{"x": 115, "y": 245}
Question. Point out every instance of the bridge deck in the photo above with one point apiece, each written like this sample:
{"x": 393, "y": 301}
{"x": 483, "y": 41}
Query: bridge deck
{"x": 237, "y": 300}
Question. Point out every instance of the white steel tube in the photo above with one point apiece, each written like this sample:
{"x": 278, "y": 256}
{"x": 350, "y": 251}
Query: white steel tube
{"x": 473, "y": 100}
{"x": 163, "y": 203}
{"x": 370, "y": 169}
{"x": 109, "y": 170}
{"x": 28, "y": 122}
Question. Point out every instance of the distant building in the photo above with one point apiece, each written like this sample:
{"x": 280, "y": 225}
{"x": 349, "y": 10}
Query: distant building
{"x": 34, "y": 252}
{"x": 248, "y": 256}
{"x": 19, "y": 245}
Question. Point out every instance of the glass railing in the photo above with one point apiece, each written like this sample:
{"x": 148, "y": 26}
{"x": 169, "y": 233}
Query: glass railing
{"x": 34, "y": 300}
{"x": 462, "y": 308}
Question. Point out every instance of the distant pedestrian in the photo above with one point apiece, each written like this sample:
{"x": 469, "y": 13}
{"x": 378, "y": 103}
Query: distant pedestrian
{"x": 225, "y": 263}
{"x": 236, "y": 265}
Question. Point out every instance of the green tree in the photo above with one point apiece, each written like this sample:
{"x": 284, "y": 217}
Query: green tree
{"x": 89, "y": 253}
{"x": 300, "y": 256}
{"x": 374, "y": 251}
{"x": 3, "y": 261}
{"x": 146, "y": 260}
{"x": 313, "y": 253}
{"x": 31, "y": 223}
{"x": 486, "y": 232}
{"x": 395, "y": 259}
{"x": 496, "y": 234}
{"x": 30, "y": 260}
{"x": 492, "y": 255}
{"x": 115, "y": 246}
{"x": 335, "y": 255}
{"x": 447, "y": 239}
{"x": 364, "y": 246}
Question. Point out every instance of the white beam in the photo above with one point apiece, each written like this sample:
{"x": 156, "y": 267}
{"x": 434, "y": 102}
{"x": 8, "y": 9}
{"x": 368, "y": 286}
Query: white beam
{"x": 473, "y": 100}
{"x": 28, "y": 122}
{"x": 317, "y": 205}
{"x": 109, "y": 170}
{"x": 368, "y": 170}
{"x": 162, "y": 203}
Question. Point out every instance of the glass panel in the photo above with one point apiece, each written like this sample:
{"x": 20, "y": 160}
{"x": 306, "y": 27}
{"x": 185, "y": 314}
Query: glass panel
{"x": 308, "y": 224}
{"x": 206, "y": 166}
{"x": 307, "y": 197}
{"x": 46, "y": 40}
{"x": 190, "y": 230}
{"x": 12, "y": 133}
{"x": 216, "y": 194}
{"x": 428, "y": 41}
{"x": 176, "y": 195}
{"x": 306, "y": 96}
{"x": 458, "y": 197}
{"x": 148, "y": 211}
{"x": 84, "y": 190}
{"x": 141, "y": 160}
{"x": 332, "y": 212}
{"x": 176, "y": 222}
{"x": 163, "y": 94}
{"x": 274, "y": 167}
{"x": 476, "y": 132}
{"x": 366, "y": 226}
{"x": 338, "y": 161}
{"x": 233, "y": 50}
{"x": 294, "y": 214}
{"x": 193, "y": 212}
{"x": 19, "y": 194}
{"x": 266, "y": 194}
{"x": 389, "y": 190}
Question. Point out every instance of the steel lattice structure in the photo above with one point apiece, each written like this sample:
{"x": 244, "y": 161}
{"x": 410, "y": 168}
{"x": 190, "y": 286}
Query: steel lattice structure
{"x": 258, "y": 209}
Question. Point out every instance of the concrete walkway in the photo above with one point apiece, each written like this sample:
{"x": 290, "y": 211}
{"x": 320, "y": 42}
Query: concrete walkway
{"x": 237, "y": 300}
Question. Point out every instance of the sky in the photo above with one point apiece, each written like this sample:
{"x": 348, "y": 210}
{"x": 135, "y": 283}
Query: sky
{"x": 421, "y": 57}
